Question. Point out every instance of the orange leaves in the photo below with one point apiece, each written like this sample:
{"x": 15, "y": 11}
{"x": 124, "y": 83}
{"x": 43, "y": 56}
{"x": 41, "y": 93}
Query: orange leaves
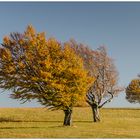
{"x": 6, "y": 40}
{"x": 30, "y": 31}
{"x": 41, "y": 37}
{"x": 134, "y": 86}
{"x": 133, "y": 91}
{"x": 5, "y": 54}
{"x": 45, "y": 75}
{"x": 21, "y": 65}
{"x": 43, "y": 68}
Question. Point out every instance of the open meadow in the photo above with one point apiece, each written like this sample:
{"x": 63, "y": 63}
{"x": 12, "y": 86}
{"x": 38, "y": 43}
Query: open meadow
{"x": 43, "y": 123}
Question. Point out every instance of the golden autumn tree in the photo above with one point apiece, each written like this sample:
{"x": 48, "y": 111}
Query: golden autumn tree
{"x": 34, "y": 67}
{"x": 133, "y": 91}
{"x": 102, "y": 67}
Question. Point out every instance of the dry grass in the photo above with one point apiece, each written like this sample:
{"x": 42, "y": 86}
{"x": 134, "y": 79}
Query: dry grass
{"x": 42, "y": 123}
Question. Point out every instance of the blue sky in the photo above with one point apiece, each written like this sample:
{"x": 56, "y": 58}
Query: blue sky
{"x": 115, "y": 25}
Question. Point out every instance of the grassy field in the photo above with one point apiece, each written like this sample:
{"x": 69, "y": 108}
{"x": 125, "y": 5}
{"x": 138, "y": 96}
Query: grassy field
{"x": 42, "y": 123}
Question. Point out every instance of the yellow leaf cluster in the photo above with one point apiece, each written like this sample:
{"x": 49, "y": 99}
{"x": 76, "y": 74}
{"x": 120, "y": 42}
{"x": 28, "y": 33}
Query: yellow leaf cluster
{"x": 44, "y": 68}
{"x": 134, "y": 86}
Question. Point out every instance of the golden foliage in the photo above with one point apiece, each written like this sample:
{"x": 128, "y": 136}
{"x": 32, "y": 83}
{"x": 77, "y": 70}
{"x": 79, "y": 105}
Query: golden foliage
{"x": 35, "y": 67}
{"x": 134, "y": 86}
{"x": 133, "y": 91}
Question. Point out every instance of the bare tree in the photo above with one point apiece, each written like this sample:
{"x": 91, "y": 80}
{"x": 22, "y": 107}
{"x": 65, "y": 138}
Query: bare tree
{"x": 102, "y": 67}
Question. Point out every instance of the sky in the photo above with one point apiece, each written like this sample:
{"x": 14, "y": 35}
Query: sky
{"x": 113, "y": 24}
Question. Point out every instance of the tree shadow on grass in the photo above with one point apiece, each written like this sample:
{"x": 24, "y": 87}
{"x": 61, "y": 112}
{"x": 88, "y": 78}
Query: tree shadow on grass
{"x": 72, "y": 126}
{"x": 2, "y": 119}
{"x": 21, "y": 127}
{"x": 83, "y": 121}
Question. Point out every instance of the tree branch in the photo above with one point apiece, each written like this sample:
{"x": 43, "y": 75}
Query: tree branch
{"x": 91, "y": 99}
{"x": 109, "y": 100}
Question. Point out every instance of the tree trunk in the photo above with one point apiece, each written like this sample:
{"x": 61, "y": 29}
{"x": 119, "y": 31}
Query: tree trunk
{"x": 67, "y": 119}
{"x": 95, "y": 111}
